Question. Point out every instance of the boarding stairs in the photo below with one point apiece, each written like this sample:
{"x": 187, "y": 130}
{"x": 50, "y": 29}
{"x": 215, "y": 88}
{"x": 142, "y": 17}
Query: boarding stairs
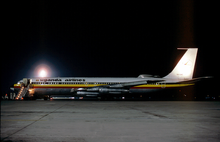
{"x": 23, "y": 91}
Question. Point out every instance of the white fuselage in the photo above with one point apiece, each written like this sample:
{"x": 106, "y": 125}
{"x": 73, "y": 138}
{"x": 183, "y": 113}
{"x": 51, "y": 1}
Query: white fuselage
{"x": 95, "y": 86}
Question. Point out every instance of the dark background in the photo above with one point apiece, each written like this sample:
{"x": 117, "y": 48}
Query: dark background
{"x": 108, "y": 39}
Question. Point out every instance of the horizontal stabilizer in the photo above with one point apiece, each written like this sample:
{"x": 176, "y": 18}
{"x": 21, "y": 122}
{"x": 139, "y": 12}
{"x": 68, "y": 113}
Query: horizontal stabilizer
{"x": 194, "y": 80}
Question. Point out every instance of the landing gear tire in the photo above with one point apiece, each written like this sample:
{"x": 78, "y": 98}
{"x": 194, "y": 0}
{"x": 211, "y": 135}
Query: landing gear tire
{"x": 103, "y": 98}
{"x": 99, "y": 98}
{"x": 45, "y": 98}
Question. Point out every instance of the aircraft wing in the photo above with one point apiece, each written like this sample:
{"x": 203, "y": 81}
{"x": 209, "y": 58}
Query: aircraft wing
{"x": 134, "y": 83}
{"x": 125, "y": 85}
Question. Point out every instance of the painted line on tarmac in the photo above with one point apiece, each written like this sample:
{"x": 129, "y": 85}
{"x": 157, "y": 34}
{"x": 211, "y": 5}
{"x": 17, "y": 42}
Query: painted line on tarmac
{"x": 22, "y": 120}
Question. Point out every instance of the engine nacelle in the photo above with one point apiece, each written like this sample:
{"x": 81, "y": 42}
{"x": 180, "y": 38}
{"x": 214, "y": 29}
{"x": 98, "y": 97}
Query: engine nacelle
{"x": 98, "y": 91}
{"x": 85, "y": 93}
{"x": 113, "y": 91}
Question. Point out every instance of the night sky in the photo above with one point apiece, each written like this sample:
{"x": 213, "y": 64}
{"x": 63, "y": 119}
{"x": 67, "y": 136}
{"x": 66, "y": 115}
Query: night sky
{"x": 109, "y": 39}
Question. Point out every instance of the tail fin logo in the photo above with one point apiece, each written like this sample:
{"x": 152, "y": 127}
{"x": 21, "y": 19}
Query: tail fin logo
{"x": 185, "y": 67}
{"x": 186, "y": 63}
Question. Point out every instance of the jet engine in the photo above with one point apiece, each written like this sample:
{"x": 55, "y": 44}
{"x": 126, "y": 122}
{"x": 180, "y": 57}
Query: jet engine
{"x": 113, "y": 91}
{"x": 98, "y": 91}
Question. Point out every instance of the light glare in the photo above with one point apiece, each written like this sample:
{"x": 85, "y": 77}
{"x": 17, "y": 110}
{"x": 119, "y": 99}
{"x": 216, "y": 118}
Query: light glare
{"x": 43, "y": 73}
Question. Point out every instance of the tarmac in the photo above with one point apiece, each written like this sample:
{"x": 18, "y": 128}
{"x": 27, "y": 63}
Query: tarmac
{"x": 110, "y": 121}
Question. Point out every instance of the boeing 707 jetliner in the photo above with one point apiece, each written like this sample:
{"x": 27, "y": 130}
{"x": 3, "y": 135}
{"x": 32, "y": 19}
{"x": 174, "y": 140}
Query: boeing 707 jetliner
{"x": 180, "y": 76}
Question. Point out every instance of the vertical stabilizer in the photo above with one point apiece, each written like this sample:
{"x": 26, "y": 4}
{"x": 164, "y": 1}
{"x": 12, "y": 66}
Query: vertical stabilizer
{"x": 185, "y": 67}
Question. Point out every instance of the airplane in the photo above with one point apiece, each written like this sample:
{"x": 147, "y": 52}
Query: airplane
{"x": 180, "y": 76}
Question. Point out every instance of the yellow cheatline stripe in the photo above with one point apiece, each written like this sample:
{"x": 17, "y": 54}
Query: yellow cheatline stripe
{"x": 18, "y": 85}
{"x": 65, "y": 85}
{"x": 92, "y": 85}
